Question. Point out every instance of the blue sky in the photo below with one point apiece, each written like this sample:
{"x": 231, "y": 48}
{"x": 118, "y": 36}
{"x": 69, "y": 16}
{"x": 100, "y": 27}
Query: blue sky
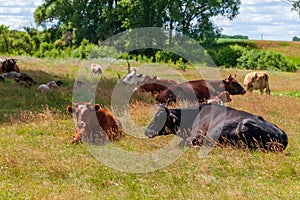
{"x": 271, "y": 18}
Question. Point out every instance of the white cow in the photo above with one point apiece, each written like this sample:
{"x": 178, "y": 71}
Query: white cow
{"x": 47, "y": 87}
{"x": 96, "y": 69}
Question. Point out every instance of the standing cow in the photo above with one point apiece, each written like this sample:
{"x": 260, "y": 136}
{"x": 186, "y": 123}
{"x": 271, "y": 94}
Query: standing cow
{"x": 257, "y": 81}
{"x": 94, "y": 124}
{"x": 200, "y": 90}
{"x": 211, "y": 122}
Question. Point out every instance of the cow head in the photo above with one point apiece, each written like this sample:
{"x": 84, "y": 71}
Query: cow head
{"x": 224, "y": 96}
{"x": 233, "y": 86}
{"x": 85, "y": 118}
{"x": 163, "y": 123}
{"x": 133, "y": 78}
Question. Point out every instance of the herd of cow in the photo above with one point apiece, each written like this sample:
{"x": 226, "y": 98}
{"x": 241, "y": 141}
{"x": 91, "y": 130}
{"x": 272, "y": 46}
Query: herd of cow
{"x": 207, "y": 122}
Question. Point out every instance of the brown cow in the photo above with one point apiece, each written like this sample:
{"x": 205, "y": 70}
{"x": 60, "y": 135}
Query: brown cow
{"x": 155, "y": 85}
{"x": 88, "y": 120}
{"x": 257, "y": 81}
{"x": 220, "y": 99}
{"x": 200, "y": 90}
{"x": 9, "y": 65}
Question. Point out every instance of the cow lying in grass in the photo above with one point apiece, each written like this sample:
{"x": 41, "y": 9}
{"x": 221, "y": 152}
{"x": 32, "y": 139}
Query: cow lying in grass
{"x": 200, "y": 90}
{"x": 145, "y": 83}
{"x": 209, "y": 123}
{"x": 220, "y": 99}
{"x": 94, "y": 124}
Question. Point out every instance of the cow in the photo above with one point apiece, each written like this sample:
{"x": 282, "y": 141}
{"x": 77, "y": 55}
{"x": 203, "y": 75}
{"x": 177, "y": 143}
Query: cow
{"x": 200, "y": 90}
{"x": 257, "y": 81}
{"x": 47, "y": 87}
{"x": 12, "y": 75}
{"x": 217, "y": 123}
{"x": 9, "y": 65}
{"x": 146, "y": 83}
{"x": 96, "y": 69}
{"x": 26, "y": 78}
{"x": 221, "y": 98}
{"x": 154, "y": 85}
{"x": 89, "y": 117}
{"x": 133, "y": 78}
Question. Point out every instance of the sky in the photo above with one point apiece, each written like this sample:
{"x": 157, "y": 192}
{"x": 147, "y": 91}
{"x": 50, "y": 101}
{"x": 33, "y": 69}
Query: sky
{"x": 257, "y": 19}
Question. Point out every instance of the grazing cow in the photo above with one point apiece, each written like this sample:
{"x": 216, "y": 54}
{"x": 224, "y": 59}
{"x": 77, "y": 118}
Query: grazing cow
{"x": 89, "y": 117}
{"x": 9, "y": 65}
{"x": 219, "y": 123}
{"x": 257, "y": 81}
{"x": 96, "y": 69}
{"x": 200, "y": 90}
{"x": 220, "y": 99}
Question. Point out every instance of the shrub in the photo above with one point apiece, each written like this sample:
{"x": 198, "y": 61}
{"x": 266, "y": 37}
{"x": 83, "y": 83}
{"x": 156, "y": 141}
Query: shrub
{"x": 269, "y": 60}
{"x": 227, "y": 56}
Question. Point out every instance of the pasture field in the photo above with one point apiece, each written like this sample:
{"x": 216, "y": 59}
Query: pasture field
{"x": 37, "y": 160}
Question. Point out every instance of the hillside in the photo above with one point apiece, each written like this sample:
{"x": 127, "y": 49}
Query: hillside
{"x": 289, "y": 49}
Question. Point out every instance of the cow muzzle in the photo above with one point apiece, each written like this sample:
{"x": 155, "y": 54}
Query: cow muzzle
{"x": 150, "y": 133}
{"x": 81, "y": 124}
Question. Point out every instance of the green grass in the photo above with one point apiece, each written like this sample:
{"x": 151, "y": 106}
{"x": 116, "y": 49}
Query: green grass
{"x": 37, "y": 160}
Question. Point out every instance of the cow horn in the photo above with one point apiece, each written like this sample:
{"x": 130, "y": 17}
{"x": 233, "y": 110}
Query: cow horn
{"x": 91, "y": 101}
{"x": 73, "y": 103}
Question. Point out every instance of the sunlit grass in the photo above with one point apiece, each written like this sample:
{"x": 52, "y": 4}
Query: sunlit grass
{"x": 37, "y": 160}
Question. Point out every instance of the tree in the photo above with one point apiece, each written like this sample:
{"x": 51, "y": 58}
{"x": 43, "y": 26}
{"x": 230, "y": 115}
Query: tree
{"x": 96, "y": 20}
{"x": 295, "y": 5}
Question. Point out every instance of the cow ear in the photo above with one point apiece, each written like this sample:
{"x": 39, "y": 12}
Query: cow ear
{"x": 70, "y": 109}
{"x": 97, "y": 107}
{"x": 174, "y": 118}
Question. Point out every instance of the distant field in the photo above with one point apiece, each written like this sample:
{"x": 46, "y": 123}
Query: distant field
{"x": 37, "y": 160}
{"x": 290, "y": 49}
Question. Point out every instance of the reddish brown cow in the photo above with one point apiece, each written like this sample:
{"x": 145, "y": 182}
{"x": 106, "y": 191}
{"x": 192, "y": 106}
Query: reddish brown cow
{"x": 155, "y": 85}
{"x": 9, "y": 65}
{"x": 88, "y": 120}
{"x": 200, "y": 90}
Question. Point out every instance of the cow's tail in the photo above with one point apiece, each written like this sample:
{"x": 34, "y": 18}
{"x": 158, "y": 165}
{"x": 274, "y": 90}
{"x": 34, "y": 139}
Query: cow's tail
{"x": 268, "y": 91}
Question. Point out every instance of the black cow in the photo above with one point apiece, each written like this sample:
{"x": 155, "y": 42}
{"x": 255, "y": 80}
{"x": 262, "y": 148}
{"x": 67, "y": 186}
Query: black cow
{"x": 200, "y": 90}
{"x": 209, "y": 122}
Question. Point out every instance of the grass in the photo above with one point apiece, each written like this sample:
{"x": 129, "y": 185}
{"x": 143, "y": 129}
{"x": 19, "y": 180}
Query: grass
{"x": 37, "y": 160}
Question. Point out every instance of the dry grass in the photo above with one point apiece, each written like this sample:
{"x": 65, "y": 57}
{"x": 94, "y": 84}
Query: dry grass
{"x": 37, "y": 160}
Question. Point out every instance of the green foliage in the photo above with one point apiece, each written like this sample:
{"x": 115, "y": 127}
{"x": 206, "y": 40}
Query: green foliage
{"x": 103, "y": 52}
{"x": 269, "y": 60}
{"x": 295, "y": 38}
{"x": 166, "y": 56}
{"x": 226, "y": 56}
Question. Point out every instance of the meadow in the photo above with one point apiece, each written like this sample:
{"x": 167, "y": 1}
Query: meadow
{"x": 37, "y": 160}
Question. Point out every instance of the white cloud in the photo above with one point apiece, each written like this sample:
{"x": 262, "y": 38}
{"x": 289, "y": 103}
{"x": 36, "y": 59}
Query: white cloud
{"x": 272, "y": 18}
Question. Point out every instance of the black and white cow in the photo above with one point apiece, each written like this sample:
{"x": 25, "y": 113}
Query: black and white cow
{"x": 218, "y": 123}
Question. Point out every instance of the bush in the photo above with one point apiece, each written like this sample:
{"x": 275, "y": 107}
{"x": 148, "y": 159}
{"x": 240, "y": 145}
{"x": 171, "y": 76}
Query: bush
{"x": 257, "y": 59}
{"x": 227, "y": 56}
